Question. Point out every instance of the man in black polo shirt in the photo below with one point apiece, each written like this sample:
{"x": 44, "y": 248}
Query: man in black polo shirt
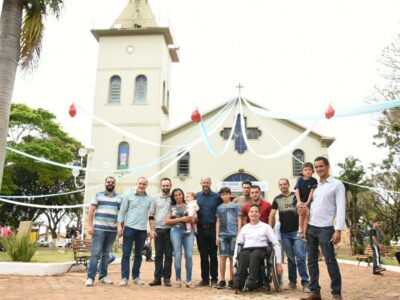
{"x": 208, "y": 202}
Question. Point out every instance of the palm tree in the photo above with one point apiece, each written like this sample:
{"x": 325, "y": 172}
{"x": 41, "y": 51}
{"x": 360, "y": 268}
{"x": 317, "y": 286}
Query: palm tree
{"x": 21, "y": 33}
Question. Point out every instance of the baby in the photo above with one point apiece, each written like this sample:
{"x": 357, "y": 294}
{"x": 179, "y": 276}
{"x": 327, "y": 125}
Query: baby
{"x": 191, "y": 211}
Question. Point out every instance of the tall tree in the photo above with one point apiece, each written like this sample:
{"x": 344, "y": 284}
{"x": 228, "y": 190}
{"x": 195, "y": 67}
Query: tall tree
{"x": 352, "y": 172}
{"x": 21, "y": 33}
{"x": 386, "y": 175}
{"x": 35, "y": 131}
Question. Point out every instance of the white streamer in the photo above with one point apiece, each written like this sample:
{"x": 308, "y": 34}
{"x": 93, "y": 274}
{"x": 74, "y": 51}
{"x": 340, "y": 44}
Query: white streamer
{"x": 43, "y": 206}
{"x": 190, "y": 146}
{"x": 207, "y": 141}
{"x": 130, "y": 135}
{"x": 285, "y": 148}
{"x": 377, "y": 190}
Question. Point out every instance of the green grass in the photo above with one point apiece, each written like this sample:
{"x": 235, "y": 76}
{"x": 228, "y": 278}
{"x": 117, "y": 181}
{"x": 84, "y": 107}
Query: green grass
{"x": 390, "y": 261}
{"x": 45, "y": 256}
{"x": 48, "y": 255}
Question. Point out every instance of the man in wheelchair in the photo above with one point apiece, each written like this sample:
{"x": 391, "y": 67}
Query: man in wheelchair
{"x": 252, "y": 249}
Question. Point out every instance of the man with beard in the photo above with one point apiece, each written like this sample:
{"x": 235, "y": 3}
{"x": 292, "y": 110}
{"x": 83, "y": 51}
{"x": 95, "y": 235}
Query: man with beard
{"x": 264, "y": 206}
{"x": 102, "y": 225}
{"x": 245, "y": 197}
{"x": 160, "y": 231}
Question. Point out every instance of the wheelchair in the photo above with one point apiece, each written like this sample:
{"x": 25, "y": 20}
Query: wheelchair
{"x": 268, "y": 269}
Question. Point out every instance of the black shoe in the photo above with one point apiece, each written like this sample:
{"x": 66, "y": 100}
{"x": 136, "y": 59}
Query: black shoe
{"x": 155, "y": 282}
{"x": 203, "y": 283}
{"x": 214, "y": 283}
{"x": 377, "y": 273}
{"x": 149, "y": 259}
{"x": 167, "y": 282}
{"x": 230, "y": 284}
{"x": 221, "y": 284}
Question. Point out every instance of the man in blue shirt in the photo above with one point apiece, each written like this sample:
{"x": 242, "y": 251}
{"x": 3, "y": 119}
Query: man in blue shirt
{"x": 208, "y": 202}
{"x": 132, "y": 224}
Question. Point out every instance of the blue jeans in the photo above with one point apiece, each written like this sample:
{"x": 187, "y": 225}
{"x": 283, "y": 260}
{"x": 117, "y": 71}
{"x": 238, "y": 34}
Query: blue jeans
{"x": 322, "y": 236}
{"x": 139, "y": 237}
{"x": 179, "y": 240}
{"x": 296, "y": 255}
{"x": 102, "y": 242}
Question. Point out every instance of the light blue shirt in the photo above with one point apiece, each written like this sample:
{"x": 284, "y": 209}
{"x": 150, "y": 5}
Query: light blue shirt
{"x": 329, "y": 202}
{"x": 134, "y": 210}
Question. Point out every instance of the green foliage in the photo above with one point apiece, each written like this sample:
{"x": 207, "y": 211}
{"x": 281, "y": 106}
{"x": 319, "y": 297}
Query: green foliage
{"x": 386, "y": 175}
{"x": 36, "y": 132}
{"x": 19, "y": 248}
{"x": 358, "y": 248}
{"x": 353, "y": 172}
{"x": 33, "y": 27}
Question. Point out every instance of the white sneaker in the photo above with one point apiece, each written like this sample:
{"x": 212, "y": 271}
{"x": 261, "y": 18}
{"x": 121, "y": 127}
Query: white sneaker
{"x": 89, "y": 282}
{"x": 106, "y": 280}
{"x": 123, "y": 282}
{"x": 138, "y": 281}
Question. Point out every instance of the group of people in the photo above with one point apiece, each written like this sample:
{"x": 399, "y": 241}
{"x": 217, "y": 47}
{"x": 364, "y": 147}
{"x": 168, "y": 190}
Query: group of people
{"x": 241, "y": 229}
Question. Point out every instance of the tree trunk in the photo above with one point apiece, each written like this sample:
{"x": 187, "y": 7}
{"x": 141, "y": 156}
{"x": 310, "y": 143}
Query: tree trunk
{"x": 10, "y": 34}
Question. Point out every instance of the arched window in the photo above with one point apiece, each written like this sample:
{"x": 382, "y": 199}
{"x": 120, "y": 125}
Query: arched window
{"x": 183, "y": 165}
{"x": 114, "y": 93}
{"x": 140, "y": 89}
{"x": 298, "y": 160}
{"x": 123, "y": 156}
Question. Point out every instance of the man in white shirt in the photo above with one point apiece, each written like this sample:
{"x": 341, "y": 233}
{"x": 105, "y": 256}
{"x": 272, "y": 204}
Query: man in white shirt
{"x": 329, "y": 202}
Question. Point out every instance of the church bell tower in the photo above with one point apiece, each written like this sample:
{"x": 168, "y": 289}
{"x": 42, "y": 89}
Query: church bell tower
{"x": 132, "y": 92}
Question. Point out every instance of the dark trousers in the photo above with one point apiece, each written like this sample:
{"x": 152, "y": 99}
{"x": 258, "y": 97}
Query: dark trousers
{"x": 163, "y": 261}
{"x": 322, "y": 236}
{"x": 376, "y": 257}
{"x": 251, "y": 260}
{"x": 131, "y": 236}
{"x": 208, "y": 252}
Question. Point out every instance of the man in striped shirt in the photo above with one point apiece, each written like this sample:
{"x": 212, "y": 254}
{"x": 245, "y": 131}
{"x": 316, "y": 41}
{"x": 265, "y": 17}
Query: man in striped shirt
{"x": 102, "y": 226}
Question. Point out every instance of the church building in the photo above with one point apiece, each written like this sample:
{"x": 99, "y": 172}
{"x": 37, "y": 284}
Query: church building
{"x": 133, "y": 86}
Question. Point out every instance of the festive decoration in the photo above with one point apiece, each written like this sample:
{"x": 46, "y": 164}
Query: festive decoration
{"x": 72, "y": 110}
{"x": 330, "y": 112}
{"x": 196, "y": 116}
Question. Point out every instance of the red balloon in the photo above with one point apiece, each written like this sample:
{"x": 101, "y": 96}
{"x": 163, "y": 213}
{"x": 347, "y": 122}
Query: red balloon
{"x": 330, "y": 112}
{"x": 72, "y": 110}
{"x": 196, "y": 116}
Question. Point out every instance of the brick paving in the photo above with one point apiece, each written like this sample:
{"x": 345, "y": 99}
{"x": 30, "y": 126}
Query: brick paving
{"x": 358, "y": 283}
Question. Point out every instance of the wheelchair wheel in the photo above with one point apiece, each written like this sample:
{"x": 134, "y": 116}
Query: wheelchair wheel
{"x": 274, "y": 275}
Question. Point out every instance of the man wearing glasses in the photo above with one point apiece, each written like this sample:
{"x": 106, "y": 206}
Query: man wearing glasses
{"x": 102, "y": 226}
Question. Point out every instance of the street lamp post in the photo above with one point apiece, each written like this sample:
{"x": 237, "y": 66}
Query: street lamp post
{"x": 88, "y": 151}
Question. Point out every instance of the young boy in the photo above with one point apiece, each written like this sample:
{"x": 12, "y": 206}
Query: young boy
{"x": 376, "y": 245}
{"x": 229, "y": 222}
{"x": 304, "y": 188}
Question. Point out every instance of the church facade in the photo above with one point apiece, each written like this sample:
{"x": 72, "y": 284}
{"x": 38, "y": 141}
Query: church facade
{"x": 132, "y": 92}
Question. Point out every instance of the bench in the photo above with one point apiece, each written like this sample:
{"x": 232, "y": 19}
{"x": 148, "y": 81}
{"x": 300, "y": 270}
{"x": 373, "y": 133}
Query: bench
{"x": 81, "y": 250}
{"x": 367, "y": 256}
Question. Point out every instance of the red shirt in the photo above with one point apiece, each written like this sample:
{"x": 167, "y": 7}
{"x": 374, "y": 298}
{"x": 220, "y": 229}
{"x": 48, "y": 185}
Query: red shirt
{"x": 265, "y": 209}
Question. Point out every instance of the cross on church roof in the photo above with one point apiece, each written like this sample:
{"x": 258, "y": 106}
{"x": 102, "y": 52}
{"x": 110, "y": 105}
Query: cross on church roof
{"x": 252, "y": 133}
{"x": 239, "y": 87}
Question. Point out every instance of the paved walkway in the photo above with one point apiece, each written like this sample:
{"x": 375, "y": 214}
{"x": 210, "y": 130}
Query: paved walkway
{"x": 358, "y": 283}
